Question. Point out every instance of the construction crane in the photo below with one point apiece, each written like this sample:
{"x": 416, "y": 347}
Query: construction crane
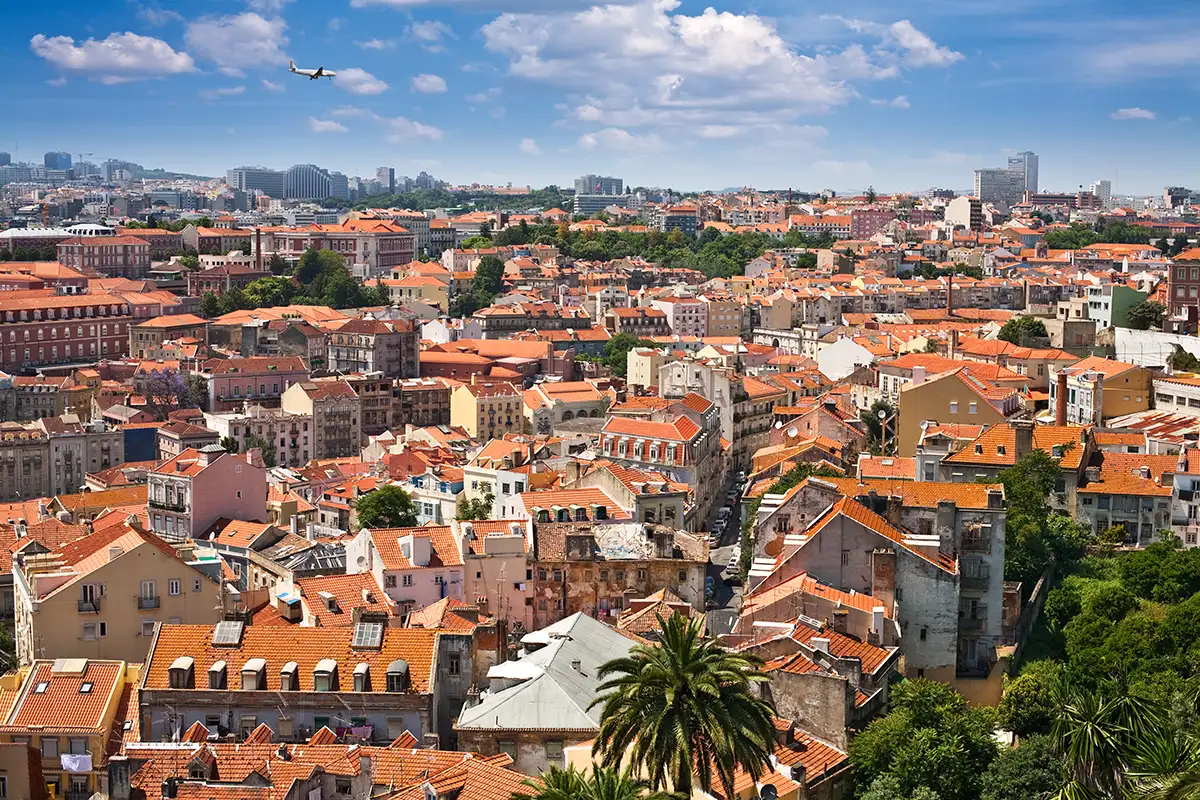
{"x": 79, "y": 160}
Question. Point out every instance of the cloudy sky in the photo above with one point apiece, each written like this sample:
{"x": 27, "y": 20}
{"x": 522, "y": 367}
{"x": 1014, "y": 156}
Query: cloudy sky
{"x": 769, "y": 93}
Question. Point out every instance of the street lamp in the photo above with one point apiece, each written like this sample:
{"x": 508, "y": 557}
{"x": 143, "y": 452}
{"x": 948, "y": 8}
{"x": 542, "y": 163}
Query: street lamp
{"x": 883, "y": 422}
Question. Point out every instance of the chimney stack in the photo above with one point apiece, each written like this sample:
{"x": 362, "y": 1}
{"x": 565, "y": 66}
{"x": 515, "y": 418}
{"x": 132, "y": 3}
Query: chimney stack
{"x": 1060, "y": 401}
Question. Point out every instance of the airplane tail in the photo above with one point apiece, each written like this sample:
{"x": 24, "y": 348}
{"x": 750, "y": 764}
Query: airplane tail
{"x": 292, "y": 65}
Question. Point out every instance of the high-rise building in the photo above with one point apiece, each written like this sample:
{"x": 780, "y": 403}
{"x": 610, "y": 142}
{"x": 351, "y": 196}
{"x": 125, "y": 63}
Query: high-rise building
{"x": 306, "y": 182}
{"x": 1001, "y": 187}
{"x": 256, "y": 179}
{"x": 598, "y": 184}
{"x": 339, "y": 186}
{"x": 1027, "y": 164}
{"x": 58, "y": 161}
{"x": 1103, "y": 191}
{"x": 387, "y": 178}
{"x": 5, "y": 159}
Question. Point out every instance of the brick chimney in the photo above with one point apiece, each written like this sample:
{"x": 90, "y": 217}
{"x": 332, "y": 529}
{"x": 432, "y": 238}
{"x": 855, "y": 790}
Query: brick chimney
{"x": 1060, "y": 401}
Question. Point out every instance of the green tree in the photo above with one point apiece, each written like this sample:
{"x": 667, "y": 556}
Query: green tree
{"x": 489, "y": 276}
{"x": 870, "y": 195}
{"x": 209, "y": 306}
{"x": 387, "y": 507}
{"x": 1034, "y": 537}
{"x": 278, "y": 264}
{"x": 229, "y": 444}
{"x": 191, "y": 262}
{"x": 267, "y": 448}
{"x": 1029, "y": 703}
{"x": 616, "y": 352}
{"x": 474, "y": 508}
{"x": 875, "y": 426}
{"x": 1145, "y": 315}
{"x": 1020, "y": 330}
{"x": 476, "y": 243}
{"x": 1031, "y": 770}
{"x": 1181, "y": 360}
{"x": 196, "y": 386}
{"x": 686, "y": 712}
{"x": 267, "y": 292}
{"x": 931, "y": 739}
{"x": 555, "y": 783}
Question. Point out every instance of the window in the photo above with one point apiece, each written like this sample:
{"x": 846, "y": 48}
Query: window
{"x": 924, "y": 633}
{"x": 322, "y": 682}
{"x": 41, "y": 687}
{"x": 508, "y": 748}
{"x": 147, "y": 627}
{"x": 197, "y": 584}
{"x": 455, "y": 665}
{"x": 972, "y": 408}
{"x": 102, "y": 629}
{"x": 89, "y": 631}
{"x": 85, "y": 687}
{"x": 845, "y": 558}
{"x": 407, "y": 581}
{"x": 173, "y": 587}
{"x": 954, "y": 408}
{"x": 389, "y": 581}
{"x": 558, "y": 576}
{"x": 49, "y": 747}
{"x": 77, "y": 746}
{"x": 554, "y": 750}
{"x": 341, "y": 785}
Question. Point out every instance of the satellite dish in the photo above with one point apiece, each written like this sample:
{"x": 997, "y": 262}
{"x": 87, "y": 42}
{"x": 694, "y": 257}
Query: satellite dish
{"x": 793, "y": 432}
{"x": 768, "y": 792}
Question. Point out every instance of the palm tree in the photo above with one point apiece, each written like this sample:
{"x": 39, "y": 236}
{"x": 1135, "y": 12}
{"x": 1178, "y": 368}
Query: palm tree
{"x": 686, "y": 707}
{"x": 604, "y": 783}
{"x": 554, "y": 784}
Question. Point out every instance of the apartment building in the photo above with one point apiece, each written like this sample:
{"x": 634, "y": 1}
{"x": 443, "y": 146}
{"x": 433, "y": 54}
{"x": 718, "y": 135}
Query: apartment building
{"x": 376, "y": 680}
{"x": 1095, "y": 389}
{"x": 420, "y": 402}
{"x": 686, "y": 316}
{"x": 190, "y": 492}
{"x": 53, "y": 456}
{"x": 1183, "y": 282}
{"x": 955, "y": 397}
{"x": 176, "y": 436}
{"x": 223, "y": 278}
{"x": 372, "y": 248}
{"x": 67, "y": 711}
{"x": 501, "y": 321}
{"x": 553, "y": 402}
{"x": 374, "y": 393}
{"x": 64, "y": 608}
{"x": 289, "y": 434}
{"x": 146, "y": 338}
{"x": 372, "y": 345}
{"x": 336, "y": 413}
{"x": 110, "y": 256}
{"x": 726, "y": 316}
{"x": 487, "y": 409}
{"x": 63, "y": 329}
{"x": 415, "y": 566}
{"x": 233, "y": 381}
{"x": 641, "y": 322}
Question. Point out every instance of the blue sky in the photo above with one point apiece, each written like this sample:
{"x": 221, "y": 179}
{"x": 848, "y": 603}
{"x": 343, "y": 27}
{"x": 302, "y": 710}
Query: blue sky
{"x": 902, "y": 95}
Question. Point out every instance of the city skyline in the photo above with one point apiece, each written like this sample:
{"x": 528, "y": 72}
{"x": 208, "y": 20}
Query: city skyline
{"x": 496, "y": 92}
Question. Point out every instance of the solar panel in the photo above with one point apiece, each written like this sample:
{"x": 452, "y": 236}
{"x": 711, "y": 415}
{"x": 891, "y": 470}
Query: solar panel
{"x": 228, "y": 633}
{"x": 367, "y": 635}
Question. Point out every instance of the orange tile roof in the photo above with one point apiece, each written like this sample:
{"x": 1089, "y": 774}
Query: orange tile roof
{"x": 61, "y": 705}
{"x": 279, "y": 645}
{"x": 997, "y": 446}
{"x": 921, "y": 494}
{"x": 123, "y": 496}
{"x": 347, "y": 591}
{"x": 1121, "y": 473}
{"x": 853, "y": 510}
{"x": 443, "y": 548}
{"x": 682, "y": 429}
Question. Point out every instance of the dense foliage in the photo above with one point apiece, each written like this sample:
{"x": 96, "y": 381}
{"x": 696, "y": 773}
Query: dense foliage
{"x": 1021, "y": 330}
{"x": 1034, "y": 536}
{"x": 1145, "y": 315}
{"x": 1081, "y": 235}
{"x": 602, "y": 783}
{"x": 421, "y": 199}
{"x": 387, "y": 507}
{"x": 474, "y": 508}
{"x": 320, "y": 278}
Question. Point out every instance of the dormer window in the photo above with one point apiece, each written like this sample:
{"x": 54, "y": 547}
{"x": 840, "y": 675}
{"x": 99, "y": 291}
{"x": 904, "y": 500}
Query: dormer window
{"x": 254, "y": 674}
{"x": 181, "y": 673}
{"x": 216, "y": 675}
{"x": 325, "y": 676}
{"x": 362, "y": 677}
{"x": 288, "y": 677}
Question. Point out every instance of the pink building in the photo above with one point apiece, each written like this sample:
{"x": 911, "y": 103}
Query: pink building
{"x": 190, "y": 492}
{"x": 232, "y": 381}
{"x": 372, "y": 248}
{"x": 415, "y": 566}
{"x": 686, "y": 316}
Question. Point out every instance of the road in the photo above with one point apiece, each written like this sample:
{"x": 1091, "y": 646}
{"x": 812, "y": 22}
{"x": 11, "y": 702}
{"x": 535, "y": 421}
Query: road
{"x": 727, "y": 598}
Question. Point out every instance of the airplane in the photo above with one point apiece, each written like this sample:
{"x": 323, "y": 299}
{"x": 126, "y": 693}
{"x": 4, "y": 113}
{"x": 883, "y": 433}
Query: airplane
{"x": 311, "y": 74}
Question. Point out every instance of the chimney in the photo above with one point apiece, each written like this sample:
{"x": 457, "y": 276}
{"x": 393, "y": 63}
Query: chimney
{"x": 118, "y": 778}
{"x": 311, "y": 531}
{"x": 43, "y": 512}
{"x": 258, "y": 249}
{"x": 918, "y": 375}
{"x": 364, "y": 767}
{"x": 895, "y": 504}
{"x": 841, "y": 621}
{"x": 1060, "y": 401}
{"x": 294, "y": 525}
{"x": 878, "y": 613}
{"x": 1098, "y": 398}
{"x": 883, "y": 575}
{"x": 952, "y": 348}
{"x": 1024, "y": 431}
{"x": 474, "y": 378}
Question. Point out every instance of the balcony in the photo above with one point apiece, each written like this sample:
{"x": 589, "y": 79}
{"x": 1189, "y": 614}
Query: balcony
{"x": 976, "y": 544}
{"x": 78, "y": 794}
{"x": 89, "y": 606}
{"x": 974, "y": 583}
{"x": 149, "y": 602}
{"x": 167, "y": 505}
{"x": 973, "y": 624}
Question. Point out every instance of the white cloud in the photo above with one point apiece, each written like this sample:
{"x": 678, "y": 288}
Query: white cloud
{"x": 919, "y": 49}
{"x": 334, "y": 24}
{"x": 267, "y": 6}
{"x": 402, "y": 129}
{"x": 841, "y": 169}
{"x": 718, "y": 131}
{"x": 119, "y": 58}
{"x": 529, "y": 147}
{"x": 377, "y": 44}
{"x": 1133, "y": 113}
{"x": 899, "y": 101}
{"x": 359, "y": 81}
{"x": 271, "y": 86}
{"x": 430, "y": 34}
{"x": 225, "y": 91}
{"x": 326, "y": 126}
{"x": 485, "y": 96}
{"x": 647, "y": 65}
{"x": 621, "y": 140}
{"x": 235, "y": 43}
{"x": 429, "y": 84}
{"x": 57, "y": 82}
{"x": 157, "y": 17}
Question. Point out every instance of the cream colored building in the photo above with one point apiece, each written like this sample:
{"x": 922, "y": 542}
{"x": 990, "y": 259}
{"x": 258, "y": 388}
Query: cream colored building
{"x": 102, "y": 596}
{"x": 642, "y": 366}
{"x": 487, "y": 409}
{"x": 724, "y": 316}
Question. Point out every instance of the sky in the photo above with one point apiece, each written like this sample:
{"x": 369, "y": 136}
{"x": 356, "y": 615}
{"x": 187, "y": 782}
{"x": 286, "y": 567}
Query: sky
{"x": 902, "y": 95}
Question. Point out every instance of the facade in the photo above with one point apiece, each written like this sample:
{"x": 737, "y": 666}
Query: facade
{"x": 63, "y": 329}
{"x": 110, "y": 256}
{"x": 233, "y": 381}
{"x": 1027, "y": 164}
{"x": 686, "y": 316}
{"x": 598, "y": 184}
{"x": 415, "y": 566}
{"x": 372, "y": 248}
{"x": 955, "y": 397}
{"x": 643, "y": 322}
{"x": 187, "y": 494}
{"x": 257, "y": 179}
{"x": 146, "y": 338}
{"x": 372, "y": 345}
{"x": 1001, "y": 187}
{"x": 104, "y": 595}
{"x": 1095, "y": 389}
{"x": 289, "y": 434}
{"x": 336, "y": 413}
{"x": 1183, "y": 283}
{"x": 307, "y": 182}
{"x": 487, "y": 409}
{"x": 53, "y": 456}
{"x": 420, "y": 402}
{"x": 223, "y": 278}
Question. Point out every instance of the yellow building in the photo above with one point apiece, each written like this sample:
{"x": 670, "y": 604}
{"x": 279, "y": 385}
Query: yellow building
{"x": 67, "y": 710}
{"x": 487, "y": 409}
{"x": 724, "y": 316}
{"x": 101, "y": 596}
{"x": 642, "y": 365}
{"x": 1095, "y": 389}
{"x": 422, "y": 288}
{"x": 956, "y": 396}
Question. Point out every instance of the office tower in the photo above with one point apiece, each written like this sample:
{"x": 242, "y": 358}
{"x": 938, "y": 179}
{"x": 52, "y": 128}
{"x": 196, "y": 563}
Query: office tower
{"x": 339, "y": 186}
{"x": 1027, "y": 164}
{"x": 58, "y": 161}
{"x": 1103, "y": 191}
{"x": 598, "y": 184}
{"x": 5, "y": 159}
{"x": 1002, "y": 187}
{"x": 306, "y": 182}
{"x": 387, "y": 178}
{"x": 256, "y": 179}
